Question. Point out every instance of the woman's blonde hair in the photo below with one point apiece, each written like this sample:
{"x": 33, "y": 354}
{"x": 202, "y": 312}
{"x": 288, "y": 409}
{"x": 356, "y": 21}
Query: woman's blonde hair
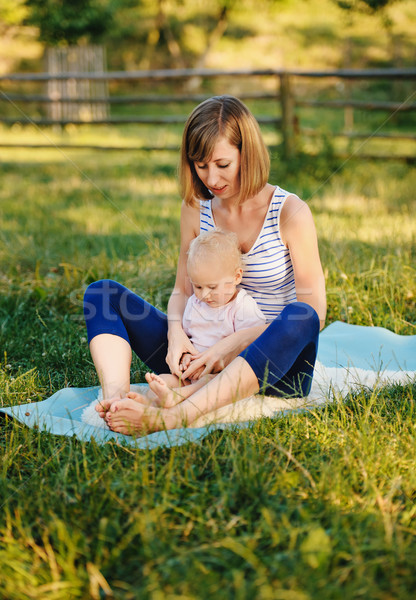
{"x": 219, "y": 246}
{"x": 222, "y": 116}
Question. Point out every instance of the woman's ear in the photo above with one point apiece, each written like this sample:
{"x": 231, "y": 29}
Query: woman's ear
{"x": 238, "y": 275}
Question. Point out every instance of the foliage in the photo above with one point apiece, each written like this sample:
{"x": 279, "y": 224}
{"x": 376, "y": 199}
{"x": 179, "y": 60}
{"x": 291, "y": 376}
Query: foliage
{"x": 238, "y": 35}
{"x": 69, "y": 22}
{"x": 371, "y": 6}
{"x": 162, "y": 30}
{"x": 12, "y": 12}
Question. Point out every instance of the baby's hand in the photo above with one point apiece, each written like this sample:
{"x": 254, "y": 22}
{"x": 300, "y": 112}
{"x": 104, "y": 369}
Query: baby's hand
{"x": 185, "y": 361}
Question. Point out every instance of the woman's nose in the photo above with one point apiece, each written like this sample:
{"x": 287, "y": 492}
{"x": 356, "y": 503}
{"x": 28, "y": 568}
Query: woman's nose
{"x": 212, "y": 177}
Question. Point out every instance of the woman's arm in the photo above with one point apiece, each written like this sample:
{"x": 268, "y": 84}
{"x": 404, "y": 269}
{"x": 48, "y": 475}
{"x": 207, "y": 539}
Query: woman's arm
{"x": 178, "y": 341}
{"x": 298, "y": 233}
{"x": 222, "y": 353}
{"x": 248, "y": 324}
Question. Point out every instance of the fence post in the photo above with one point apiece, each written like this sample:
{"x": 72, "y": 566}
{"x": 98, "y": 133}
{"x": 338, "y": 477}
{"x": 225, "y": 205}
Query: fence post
{"x": 288, "y": 115}
{"x": 72, "y": 59}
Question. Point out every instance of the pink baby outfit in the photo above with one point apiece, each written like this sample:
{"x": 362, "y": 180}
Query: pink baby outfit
{"x": 205, "y": 325}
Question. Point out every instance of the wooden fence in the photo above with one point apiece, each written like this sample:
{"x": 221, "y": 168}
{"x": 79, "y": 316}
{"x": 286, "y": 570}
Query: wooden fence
{"x": 280, "y": 82}
{"x": 82, "y": 59}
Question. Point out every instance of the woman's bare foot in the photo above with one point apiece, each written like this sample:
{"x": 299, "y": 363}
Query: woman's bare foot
{"x": 166, "y": 396}
{"x": 133, "y": 418}
{"x": 104, "y": 406}
{"x": 126, "y": 417}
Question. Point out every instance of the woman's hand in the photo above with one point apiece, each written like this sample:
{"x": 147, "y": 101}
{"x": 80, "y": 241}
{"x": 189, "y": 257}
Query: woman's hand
{"x": 216, "y": 358}
{"x": 178, "y": 345}
{"x": 186, "y": 360}
{"x": 213, "y": 360}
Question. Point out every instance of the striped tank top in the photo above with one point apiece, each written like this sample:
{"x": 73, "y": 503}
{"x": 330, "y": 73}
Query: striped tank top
{"x": 267, "y": 267}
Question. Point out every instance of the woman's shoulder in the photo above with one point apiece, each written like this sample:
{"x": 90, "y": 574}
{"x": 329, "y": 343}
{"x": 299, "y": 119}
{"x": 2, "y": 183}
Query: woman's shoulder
{"x": 193, "y": 211}
{"x": 282, "y": 195}
{"x": 296, "y": 217}
{"x": 190, "y": 219}
{"x": 204, "y": 204}
{"x": 293, "y": 207}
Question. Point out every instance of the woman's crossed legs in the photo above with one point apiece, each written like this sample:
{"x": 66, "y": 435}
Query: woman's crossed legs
{"x": 279, "y": 362}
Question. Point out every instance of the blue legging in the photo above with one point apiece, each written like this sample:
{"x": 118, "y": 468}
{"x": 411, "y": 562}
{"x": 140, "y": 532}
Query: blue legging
{"x": 282, "y": 357}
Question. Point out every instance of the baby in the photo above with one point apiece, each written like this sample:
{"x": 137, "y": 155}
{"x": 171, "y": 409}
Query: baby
{"x": 216, "y": 309}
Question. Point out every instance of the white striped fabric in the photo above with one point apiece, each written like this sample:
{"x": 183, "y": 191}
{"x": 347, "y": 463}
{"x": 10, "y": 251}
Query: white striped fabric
{"x": 268, "y": 272}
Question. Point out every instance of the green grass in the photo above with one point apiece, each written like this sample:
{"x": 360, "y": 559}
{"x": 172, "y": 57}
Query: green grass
{"x": 317, "y": 505}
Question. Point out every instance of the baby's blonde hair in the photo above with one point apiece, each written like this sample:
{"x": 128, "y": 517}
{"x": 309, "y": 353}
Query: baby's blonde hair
{"x": 221, "y": 246}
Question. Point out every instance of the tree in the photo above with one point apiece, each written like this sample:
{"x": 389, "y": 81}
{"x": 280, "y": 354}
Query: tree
{"x": 378, "y": 8}
{"x": 12, "y": 13}
{"x": 143, "y": 33}
{"x": 12, "y": 34}
{"x": 365, "y": 6}
{"x": 67, "y": 22}
{"x": 158, "y": 30}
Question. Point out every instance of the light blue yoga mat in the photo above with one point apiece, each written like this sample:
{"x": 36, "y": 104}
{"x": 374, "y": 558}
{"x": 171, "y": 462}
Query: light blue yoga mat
{"x": 372, "y": 348}
{"x": 340, "y": 345}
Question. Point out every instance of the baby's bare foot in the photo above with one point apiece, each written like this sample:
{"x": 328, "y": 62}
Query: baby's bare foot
{"x": 139, "y": 398}
{"x": 166, "y": 397}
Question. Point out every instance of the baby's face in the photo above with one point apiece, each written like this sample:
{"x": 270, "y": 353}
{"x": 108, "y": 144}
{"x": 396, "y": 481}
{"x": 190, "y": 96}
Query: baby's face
{"x": 213, "y": 284}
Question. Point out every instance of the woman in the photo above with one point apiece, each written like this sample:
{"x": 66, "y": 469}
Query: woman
{"x": 223, "y": 175}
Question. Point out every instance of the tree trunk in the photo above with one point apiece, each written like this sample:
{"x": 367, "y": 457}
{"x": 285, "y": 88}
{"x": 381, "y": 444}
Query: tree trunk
{"x": 214, "y": 36}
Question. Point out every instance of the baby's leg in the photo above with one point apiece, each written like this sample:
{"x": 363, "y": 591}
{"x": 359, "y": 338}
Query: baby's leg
{"x": 171, "y": 396}
{"x": 148, "y": 398}
{"x": 161, "y": 389}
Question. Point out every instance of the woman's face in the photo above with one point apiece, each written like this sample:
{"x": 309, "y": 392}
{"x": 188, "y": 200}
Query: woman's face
{"x": 221, "y": 173}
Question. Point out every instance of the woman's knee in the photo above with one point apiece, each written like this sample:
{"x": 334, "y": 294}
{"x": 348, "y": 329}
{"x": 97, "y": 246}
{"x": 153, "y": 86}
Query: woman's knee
{"x": 300, "y": 317}
{"x": 99, "y": 295}
{"x": 309, "y": 315}
{"x": 103, "y": 287}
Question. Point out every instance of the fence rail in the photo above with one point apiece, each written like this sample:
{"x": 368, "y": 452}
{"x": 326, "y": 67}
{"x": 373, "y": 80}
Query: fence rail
{"x": 283, "y": 96}
{"x": 159, "y": 74}
{"x": 360, "y": 104}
